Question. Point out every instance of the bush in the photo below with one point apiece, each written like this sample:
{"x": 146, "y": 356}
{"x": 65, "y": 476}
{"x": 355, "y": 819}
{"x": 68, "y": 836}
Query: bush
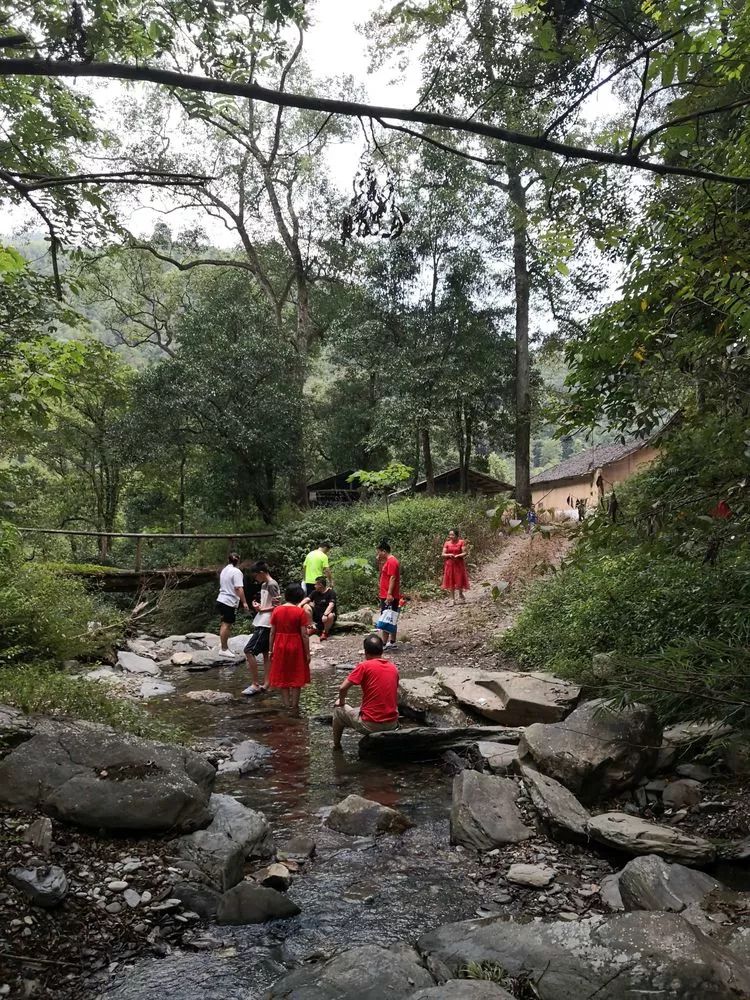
{"x": 51, "y": 691}
{"x": 415, "y": 527}
{"x": 46, "y": 615}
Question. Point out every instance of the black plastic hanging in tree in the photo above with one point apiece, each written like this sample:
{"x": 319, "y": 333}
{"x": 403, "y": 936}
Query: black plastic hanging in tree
{"x": 372, "y": 210}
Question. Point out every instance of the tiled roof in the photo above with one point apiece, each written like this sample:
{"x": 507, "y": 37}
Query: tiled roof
{"x": 586, "y": 462}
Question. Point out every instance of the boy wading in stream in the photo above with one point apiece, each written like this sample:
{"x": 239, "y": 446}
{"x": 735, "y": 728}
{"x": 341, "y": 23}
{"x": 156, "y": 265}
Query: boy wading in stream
{"x": 378, "y": 679}
{"x": 231, "y": 595}
{"x": 290, "y": 648}
{"x": 259, "y": 642}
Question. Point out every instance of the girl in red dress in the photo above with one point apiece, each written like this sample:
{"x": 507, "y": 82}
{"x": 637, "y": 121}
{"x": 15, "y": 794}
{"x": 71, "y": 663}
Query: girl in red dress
{"x": 455, "y": 577}
{"x": 289, "y": 648}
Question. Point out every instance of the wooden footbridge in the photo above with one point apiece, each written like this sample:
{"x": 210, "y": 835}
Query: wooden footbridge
{"x": 113, "y": 579}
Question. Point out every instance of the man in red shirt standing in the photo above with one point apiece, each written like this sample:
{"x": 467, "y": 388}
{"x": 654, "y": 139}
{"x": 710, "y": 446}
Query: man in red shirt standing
{"x": 390, "y": 586}
{"x": 378, "y": 679}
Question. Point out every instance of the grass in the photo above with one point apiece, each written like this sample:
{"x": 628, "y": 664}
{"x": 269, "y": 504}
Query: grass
{"x": 46, "y": 690}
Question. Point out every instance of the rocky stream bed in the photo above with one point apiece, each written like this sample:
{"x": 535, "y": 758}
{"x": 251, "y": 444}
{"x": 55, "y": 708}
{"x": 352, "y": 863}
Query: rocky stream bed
{"x": 510, "y": 836}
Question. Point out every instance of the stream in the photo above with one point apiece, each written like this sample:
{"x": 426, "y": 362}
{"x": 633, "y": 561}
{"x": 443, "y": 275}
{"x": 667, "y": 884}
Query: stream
{"x": 355, "y": 890}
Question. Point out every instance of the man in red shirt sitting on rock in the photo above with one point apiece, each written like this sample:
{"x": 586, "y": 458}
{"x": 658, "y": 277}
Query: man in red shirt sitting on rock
{"x": 378, "y": 679}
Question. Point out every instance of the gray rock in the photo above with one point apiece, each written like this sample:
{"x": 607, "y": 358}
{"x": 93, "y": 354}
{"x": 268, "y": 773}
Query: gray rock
{"x": 296, "y": 849}
{"x": 210, "y": 697}
{"x": 205, "y": 659}
{"x": 39, "y": 834}
{"x": 682, "y": 794}
{"x": 43, "y": 886}
{"x": 464, "y": 989}
{"x": 609, "y": 892}
{"x": 207, "y": 639}
{"x": 638, "y": 836}
{"x": 254, "y": 904}
{"x": 555, "y": 804}
{"x": 181, "y": 658}
{"x": 155, "y": 689}
{"x": 132, "y": 898}
{"x": 15, "y": 728}
{"x": 199, "y": 898}
{"x": 246, "y": 756}
{"x": 419, "y": 696}
{"x": 89, "y": 775}
{"x": 500, "y": 758}
{"x": 370, "y": 972}
{"x": 512, "y": 698}
{"x": 617, "y": 957}
{"x": 276, "y": 876}
{"x": 234, "y": 834}
{"x": 649, "y": 883}
{"x": 361, "y": 817}
{"x": 536, "y": 876}
{"x": 142, "y": 647}
{"x": 686, "y": 739}
{"x": 696, "y": 772}
{"x": 595, "y": 751}
{"x": 427, "y": 743}
{"x": 132, "y": 663}
{"x": 237, "y": 644}
{"x": 484, "y": 814}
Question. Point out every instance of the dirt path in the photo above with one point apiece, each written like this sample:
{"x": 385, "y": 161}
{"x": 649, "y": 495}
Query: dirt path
{"x": 433, "y": 627}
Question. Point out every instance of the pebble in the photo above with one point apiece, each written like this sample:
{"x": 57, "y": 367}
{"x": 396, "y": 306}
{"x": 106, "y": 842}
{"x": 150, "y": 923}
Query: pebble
{"x": 113, "y": 907}
{"x": 117, "y": 885}
{"x": 131, "y": 897}
{"x": 146, "y": 897}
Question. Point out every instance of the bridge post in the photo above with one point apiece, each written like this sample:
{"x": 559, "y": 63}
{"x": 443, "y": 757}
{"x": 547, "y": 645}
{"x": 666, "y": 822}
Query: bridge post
{"x": 138, "y": 554}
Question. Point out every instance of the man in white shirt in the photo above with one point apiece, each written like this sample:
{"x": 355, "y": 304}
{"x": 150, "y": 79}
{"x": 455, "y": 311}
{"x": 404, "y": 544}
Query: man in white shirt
{"x": 231, "y": 595}
{"x": 270, "y": 598}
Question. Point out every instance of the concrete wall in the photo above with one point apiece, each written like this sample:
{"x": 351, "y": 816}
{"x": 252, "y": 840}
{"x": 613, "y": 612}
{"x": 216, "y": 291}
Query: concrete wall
{"x": 556, "y": 497}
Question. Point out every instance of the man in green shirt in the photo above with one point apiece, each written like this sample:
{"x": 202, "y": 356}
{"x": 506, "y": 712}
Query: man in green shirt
{"x": 315, "y": 565}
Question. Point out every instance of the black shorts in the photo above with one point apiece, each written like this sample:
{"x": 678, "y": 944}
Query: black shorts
{"x": 318, "y": 620}
{"x": 385, "y": 603}
{"x": 227, "y": 614}
{"x": 309, "y": 589}
{"x": 259, "y": 641}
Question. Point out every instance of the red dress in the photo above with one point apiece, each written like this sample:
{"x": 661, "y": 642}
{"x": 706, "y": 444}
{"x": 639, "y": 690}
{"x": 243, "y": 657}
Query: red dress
{"x": 289, "y": 666}
{"x": 455, "y": 576}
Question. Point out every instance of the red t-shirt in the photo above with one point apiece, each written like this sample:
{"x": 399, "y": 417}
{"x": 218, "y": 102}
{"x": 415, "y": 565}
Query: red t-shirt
{"x": 390, "y": 568}
{"x": 379, "y": 682}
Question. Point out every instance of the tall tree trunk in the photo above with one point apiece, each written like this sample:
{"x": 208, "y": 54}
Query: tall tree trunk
{"x": 298, "y": 479}
{"x": 468, "y": 432}
{"x": 429, "y": 469}
{"x": 517, "y": 194}
{"x": 183, "y": 460}
{"x": 417, "y": 453}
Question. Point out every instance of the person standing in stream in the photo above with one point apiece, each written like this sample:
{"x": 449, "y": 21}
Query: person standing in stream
{"x": 455, "y": 577}
{"x": 390, "y": 586}
{"x": 290, "y": 648}
{"x": 259, "y": 642}
{"x": 231, "y": 595}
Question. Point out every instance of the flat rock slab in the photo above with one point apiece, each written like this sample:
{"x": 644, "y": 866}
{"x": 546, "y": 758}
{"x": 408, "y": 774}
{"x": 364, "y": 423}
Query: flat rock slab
{"x": 155, "y": 689}
{"x": 555, "y": 804}
{"x": 596, "y": 751}
{"x": 246, "y": 757}
{"x": 617, "y": 957}
{"x": 361, "y": 817}
{"x": 132, "y": 663}
{"x": 92, "y": 776}
{"x": 650, "y": 883}
{"x": 535, "y": 876}
{"x": 205, "y": 659}
{"x": 428, "y": 743}
{"x": 210, "y": 697}
{"x": 508, "y": 697}
{"x": 369, "y": 972}
{"x": 464, "y": 989}
{"x": 638, "y": 836}
{"x": 484, "y": 814}
{"x": 420, "y": 695}
{"x": 500, "y": 758}
{"x": 254, "y": 904}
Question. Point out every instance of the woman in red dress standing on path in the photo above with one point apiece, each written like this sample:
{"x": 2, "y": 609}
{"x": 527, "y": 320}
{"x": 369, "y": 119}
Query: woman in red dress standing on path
{"x": 289, "y": 648}
{"x": 455, "y": 577}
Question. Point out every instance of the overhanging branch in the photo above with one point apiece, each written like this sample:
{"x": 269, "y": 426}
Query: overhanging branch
{"x": 186, "y": 81}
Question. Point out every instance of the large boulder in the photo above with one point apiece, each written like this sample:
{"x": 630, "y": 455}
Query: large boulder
{"x": 132, "y": 663}
{"x": 426, "y": 743}
{"x": 15, "y": 728}
{"x": 686, "y": 739}
{"x": 90, "y": 775}
{"x": 557, "y": 806}
{"x": 509, "y": 697}
{"x": 484, "y": 814}
{"x": 360, "y": 817}
{"x": 596, "y": 751}
{"x": 44, "y": 886}
{"x": 420, "y": 697}
{"x": 254, "y": 904}
{"x": 639, "y": 836}
{"x": 618, "y": 957}
{"x": 649, "y": 883}
{"x": 205, "y": 659}
{"x": 234, "y": 834}
{"x": 500, "y": 758}
{"x": 370, "y": 972}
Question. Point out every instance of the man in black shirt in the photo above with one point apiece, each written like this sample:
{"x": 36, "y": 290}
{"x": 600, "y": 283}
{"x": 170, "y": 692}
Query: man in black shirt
{"x": 323, "y": 603}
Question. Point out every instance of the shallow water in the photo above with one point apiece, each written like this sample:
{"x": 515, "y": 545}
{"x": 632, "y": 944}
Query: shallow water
{"x": 355, "y": 890}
